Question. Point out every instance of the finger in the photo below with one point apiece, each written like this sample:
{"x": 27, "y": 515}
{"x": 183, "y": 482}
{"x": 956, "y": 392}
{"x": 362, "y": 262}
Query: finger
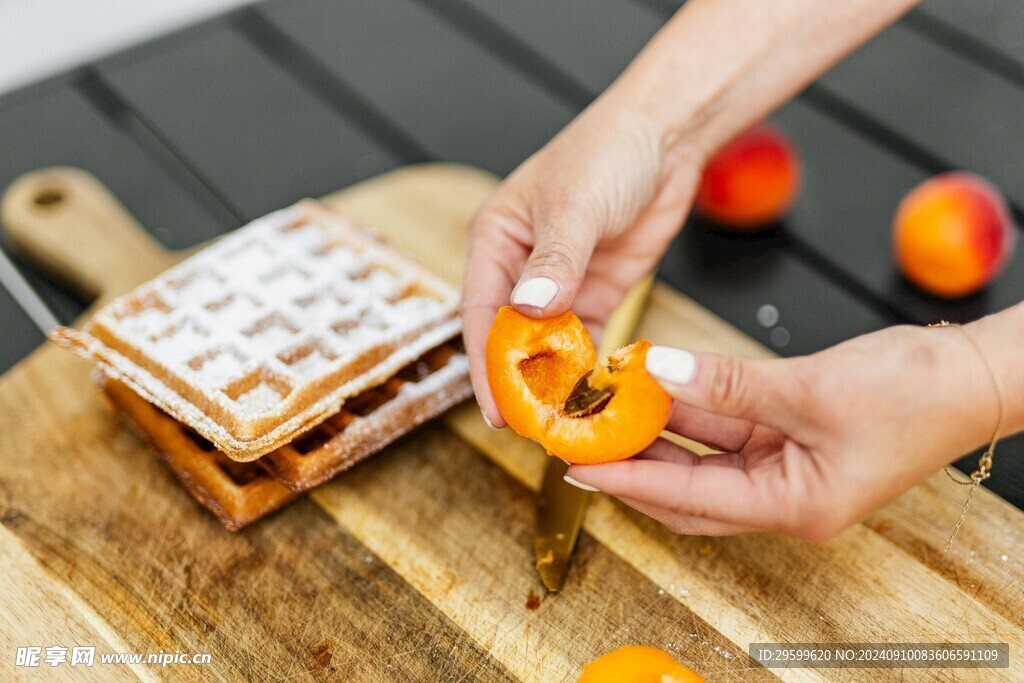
{"x": 769, "y": 392}
{"x": 685, "y": 524}
{"x": 716, "y": 431}
{"x": 724, "y": 494}
{"x": 555, "y": 268}
{"x": 493, "y": 256}
{"x": 665, "y": 451}
{"x": 476, "y": 321}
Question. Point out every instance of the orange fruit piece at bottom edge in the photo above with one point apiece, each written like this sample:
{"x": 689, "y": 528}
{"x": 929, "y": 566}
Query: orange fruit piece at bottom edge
{"x": 637, "y": 664}
{"x": 536, "y": 371}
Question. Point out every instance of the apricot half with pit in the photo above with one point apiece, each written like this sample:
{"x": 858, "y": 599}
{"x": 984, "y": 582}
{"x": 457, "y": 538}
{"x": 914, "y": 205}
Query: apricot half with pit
{"x": 549, "y": 386}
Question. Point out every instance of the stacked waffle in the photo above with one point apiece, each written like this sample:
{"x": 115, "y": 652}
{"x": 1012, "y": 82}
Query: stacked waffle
{"x": 278, "y": 357}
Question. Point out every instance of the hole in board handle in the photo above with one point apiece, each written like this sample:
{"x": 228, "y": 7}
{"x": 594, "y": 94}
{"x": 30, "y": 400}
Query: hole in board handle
{"x": 49, "y": 197}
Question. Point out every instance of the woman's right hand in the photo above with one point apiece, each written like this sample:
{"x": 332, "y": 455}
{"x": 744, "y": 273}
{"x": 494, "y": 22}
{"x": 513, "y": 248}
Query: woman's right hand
{"x": 575, "y": 226}
{"x": 810, "y": 445}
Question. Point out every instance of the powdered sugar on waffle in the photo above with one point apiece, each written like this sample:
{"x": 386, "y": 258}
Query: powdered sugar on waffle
{"x": 265, "y": 333}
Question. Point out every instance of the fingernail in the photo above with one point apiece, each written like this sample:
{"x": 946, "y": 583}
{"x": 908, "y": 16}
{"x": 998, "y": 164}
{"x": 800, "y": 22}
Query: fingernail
{"x": 535, "y": 291}
{"x": 671, "y": 365}
{"x": 487, "y": 420}
{"x": 579, "y": 484}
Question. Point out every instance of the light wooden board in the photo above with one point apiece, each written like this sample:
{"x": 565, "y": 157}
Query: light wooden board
{"x": 416, "y": 564}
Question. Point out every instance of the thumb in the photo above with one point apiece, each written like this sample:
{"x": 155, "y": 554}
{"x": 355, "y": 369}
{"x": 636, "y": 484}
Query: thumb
{"x": 762, "y": 391}
{"x": 553, "y": 273}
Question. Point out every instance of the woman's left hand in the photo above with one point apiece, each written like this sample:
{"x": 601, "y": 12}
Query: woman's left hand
{"x": 809, "y": 445}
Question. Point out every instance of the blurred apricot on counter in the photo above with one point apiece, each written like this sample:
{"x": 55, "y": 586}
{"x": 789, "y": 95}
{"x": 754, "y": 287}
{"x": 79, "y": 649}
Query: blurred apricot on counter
{"x": 952, "y": 234}
{"x": 549, "y": 386}
{"x": 637, "y": 664}
{"x": 750, "y": 182}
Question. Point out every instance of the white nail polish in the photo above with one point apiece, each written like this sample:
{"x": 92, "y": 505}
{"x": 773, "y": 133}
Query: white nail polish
{"x": 536, "y": 291}
{"x": 671, "y": 365}
{"x": 579, "y": 484}
{"x": 487, "y": 420}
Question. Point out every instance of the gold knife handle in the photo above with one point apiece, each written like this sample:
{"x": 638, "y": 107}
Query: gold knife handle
{"x": 624, "y": 320}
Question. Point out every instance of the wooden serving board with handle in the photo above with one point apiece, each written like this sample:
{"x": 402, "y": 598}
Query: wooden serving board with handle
{"x": 416, "y": 565}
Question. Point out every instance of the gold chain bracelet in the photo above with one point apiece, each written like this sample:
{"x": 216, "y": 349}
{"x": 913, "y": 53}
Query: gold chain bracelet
{"x": 984, "y": 470}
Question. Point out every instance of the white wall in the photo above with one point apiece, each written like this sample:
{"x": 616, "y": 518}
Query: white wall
{"x": 41, "y": 37}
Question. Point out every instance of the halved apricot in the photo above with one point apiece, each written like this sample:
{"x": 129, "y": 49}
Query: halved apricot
{"x": 548, "y": 385}
{"x": 638, "y": 664}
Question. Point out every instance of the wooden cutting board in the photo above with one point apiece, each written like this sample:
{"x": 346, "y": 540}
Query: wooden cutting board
{"x": 416, "y": 565}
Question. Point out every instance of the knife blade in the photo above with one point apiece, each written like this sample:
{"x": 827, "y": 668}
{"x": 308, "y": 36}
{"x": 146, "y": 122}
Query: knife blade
{"x": 562, "y": 507}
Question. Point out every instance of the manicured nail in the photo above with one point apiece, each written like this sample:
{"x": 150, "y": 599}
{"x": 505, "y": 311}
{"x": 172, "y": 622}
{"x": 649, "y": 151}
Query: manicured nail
{"x": 487, "y": 420}
{"x": 671, "y": 365}
{"x": 536, "y": 291}
{"x": 579, "y": 484}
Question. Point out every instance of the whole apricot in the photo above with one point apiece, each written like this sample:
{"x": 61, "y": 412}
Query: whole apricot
{"x": 952, "y": 234}
{"x": 637, "y": 664}
{"x": 751, "y": 181}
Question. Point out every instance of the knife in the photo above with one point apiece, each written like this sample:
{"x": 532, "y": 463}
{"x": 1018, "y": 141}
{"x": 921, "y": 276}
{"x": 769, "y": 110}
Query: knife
{"x": 561, "y": 507}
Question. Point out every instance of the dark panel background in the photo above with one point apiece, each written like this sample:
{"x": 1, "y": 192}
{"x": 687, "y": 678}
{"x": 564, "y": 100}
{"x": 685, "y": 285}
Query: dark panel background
{"x": 937, "y": 99}
{"x": 458, "y": 101}
{"x": 17, "y": 331}
{"x": 246, "y": 126}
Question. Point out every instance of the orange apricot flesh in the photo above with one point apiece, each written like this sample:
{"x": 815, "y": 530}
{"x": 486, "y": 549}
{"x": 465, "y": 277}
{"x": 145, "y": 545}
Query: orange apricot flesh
{"x": 637, "y": 664}
{"x": 535, "y": 368}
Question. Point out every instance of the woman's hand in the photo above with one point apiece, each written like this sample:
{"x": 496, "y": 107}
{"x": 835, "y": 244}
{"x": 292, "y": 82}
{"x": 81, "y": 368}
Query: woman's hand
{"x": 575, "y": 226}
{"x": 810, "y": 445}
{"x": 591, "y": 213}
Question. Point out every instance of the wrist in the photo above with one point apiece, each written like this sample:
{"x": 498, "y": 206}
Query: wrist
{"x": 674, "y": 145}
{"x": 966, "y": 387}
{"x": 998, "y": 337}
{"x": 717, "y": 67}
{"x": 699, "y": 90}
{"x": 676, "y": 117}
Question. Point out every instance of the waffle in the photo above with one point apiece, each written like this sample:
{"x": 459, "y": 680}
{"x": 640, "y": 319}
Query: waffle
{"x": 366, "y": 423}
{"x": 241, "y": 492}
{"x": 268, "y": 332}
{"x": 236, "y": 492}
